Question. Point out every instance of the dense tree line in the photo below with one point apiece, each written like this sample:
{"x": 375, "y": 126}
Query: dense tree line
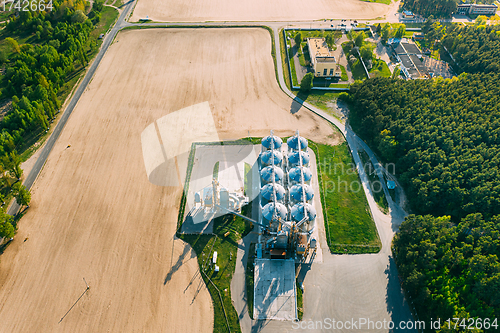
{"x": 444, "y": 137}
{"x": 451, "y": 270}
{"x": 475, "y": 48}
{"x": 437, "y": 8}
{"x": 36, "y": 71}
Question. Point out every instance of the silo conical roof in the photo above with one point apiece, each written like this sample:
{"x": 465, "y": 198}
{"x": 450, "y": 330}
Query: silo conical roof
{"x": 267, "y": 191}
{"x": 293, "y": 142}
{"x": 268, "y": 211}
{"x": 267, "y": 173}
{"x": 296, "y": 192}
{"x": 300, "y": 210}
{"x": 271, "y": 157}
{"x": 272, "y": 140}
{"x": 293, "y": 158}
{"x": 294, "y": 174}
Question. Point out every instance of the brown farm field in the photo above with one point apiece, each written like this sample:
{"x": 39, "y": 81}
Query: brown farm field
{"x": 95, "y": 215}
{"x": 256, "y": 10}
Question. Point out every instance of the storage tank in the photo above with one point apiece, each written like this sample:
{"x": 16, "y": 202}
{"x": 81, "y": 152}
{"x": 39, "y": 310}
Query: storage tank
{"x": 267, "y": 192}
{"x": 272, "y": 140}
{"x": 274, "y": 157}
{"x": 293, "y": 142}
{"x": 298, "y": 195}
{"x": 294, "y": 174}
{"x": 268, "y": 211}
{"x": 293, "y": 158}
{"x": 300, "y": 210}
{"x": 267, "y": 174}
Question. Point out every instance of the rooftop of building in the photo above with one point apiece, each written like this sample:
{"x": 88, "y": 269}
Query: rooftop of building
{"x": 319, "y": 49}
{"x": 477, "y": 5}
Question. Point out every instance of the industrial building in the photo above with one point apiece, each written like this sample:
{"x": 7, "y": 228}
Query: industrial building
{"x": 288, "y": 217}
{"x": 476, "y": 9}
{"x": 322, "y": 61}
{"x": 287, "y": 221}
{"x": 409, "y": 56}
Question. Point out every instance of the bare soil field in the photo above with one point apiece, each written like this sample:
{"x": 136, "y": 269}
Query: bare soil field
{"x": 256, "y": 10}
{"x": 95, "y": 214}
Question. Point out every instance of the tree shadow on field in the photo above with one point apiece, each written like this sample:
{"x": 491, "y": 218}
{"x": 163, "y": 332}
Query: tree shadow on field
{"x": 178, "y": 264}
{"x": 298, "y": 102}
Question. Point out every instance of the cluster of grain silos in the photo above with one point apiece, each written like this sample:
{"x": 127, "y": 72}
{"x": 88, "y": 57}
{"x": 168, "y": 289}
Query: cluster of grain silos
{"x": 286, "y": 196}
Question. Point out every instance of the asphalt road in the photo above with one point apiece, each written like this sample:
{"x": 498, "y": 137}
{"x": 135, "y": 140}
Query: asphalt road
{"x": 40, "y": 162}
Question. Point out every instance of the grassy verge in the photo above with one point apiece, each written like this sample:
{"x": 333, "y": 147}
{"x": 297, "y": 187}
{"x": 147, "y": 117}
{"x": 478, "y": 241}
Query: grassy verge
{"x": 292, "y": 68}
{"x": 375, "y": 185}
{"x": 248, "y": 178}
{"x": 215, "y": 173}
{"x": 249, "y": 282}
{"x": 385, "y": 2}
{"x": 284, "y": 61}
{"x": 300, "y": 302}
{"x": 348, "y": 223}
{"x": 273, "y": 50}
{"x": 108, "y": 16}
{"x": 344, "y": 76}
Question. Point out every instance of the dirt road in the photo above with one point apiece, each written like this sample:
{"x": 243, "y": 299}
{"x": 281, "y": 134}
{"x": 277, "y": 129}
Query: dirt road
{"x": 94, "y": 214}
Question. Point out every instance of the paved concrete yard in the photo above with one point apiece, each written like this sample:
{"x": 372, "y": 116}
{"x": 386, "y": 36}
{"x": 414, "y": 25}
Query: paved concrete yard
{"x": 232, "y": 159}
{"x": 274, "y": 290}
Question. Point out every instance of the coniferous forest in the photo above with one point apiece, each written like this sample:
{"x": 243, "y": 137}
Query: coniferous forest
{"x": 444, "y": 137}
{"x": 437, "y": 8}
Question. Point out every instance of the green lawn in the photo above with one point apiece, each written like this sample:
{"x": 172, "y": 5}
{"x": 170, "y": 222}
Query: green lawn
{"x": 348, "y": 223}
{"x": 358, "y": 71}
{"x": 380, "y": 68}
